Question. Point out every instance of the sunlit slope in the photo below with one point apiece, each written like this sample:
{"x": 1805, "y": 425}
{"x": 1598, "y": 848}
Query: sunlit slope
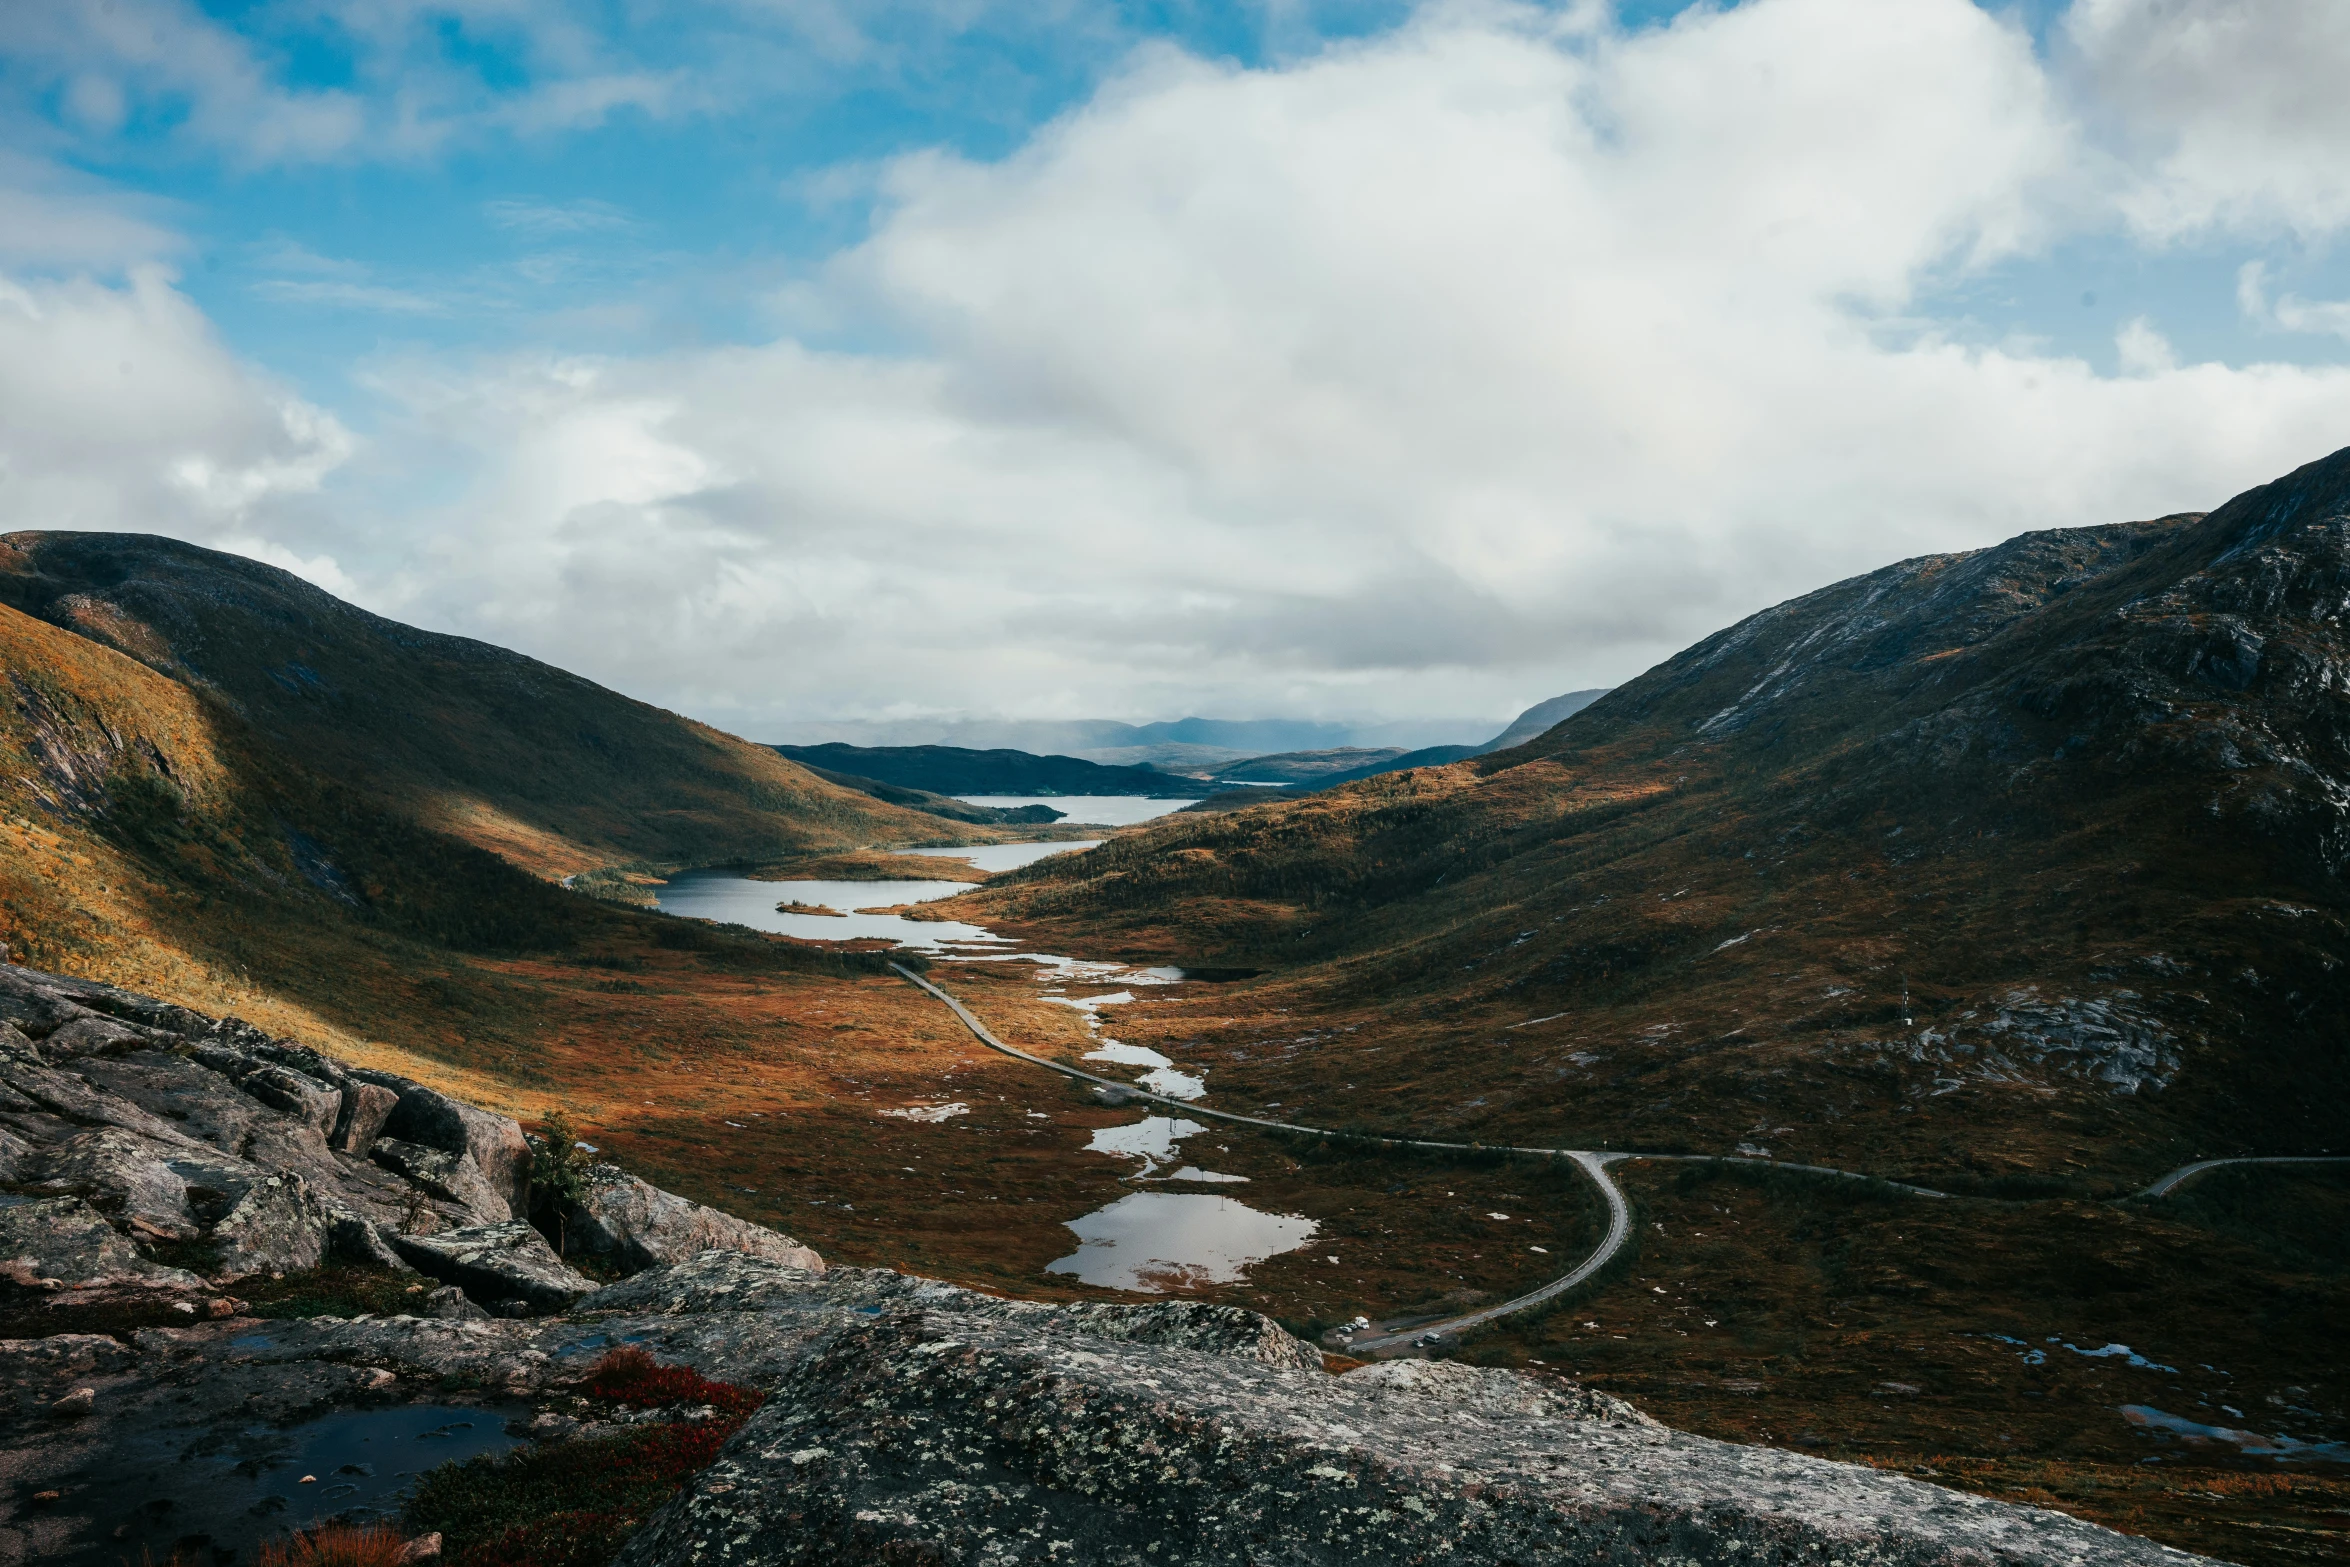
{"x": 540, "y": 766}
{"x": 1973, "y": 842}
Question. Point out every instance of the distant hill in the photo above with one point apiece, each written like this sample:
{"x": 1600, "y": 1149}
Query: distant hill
{"x": 1102, "y": 740}
{"x": 1541, "y": 717}
{"x": 945, "y": 805}
{"x": 1308, "y": 767}
{"x": 1327, "y": 769}
{"x": 2027, "y": 858}
{"x": 535, "y": 764}
{"x": 946, "y": 769}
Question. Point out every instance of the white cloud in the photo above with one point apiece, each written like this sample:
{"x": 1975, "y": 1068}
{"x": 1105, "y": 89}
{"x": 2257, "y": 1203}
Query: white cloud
{"x": 121, "y": 410}
{"x": 2232, "y": 113}
{"x": 2290, "y": 312}
{"x": 1426, "y": 374}
{"x": 1430, "y": 374}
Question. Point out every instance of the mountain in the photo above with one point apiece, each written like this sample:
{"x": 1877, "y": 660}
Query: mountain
{"x": 946, "y": 769}
{"x": 1309, "y": 767}
{"x": 1540, "y": 717}
{"x": 1102, "y": 740}
{"x": 1327, "y": 769}
{"x": 2023, "y": 859}
{"x": 492, "y": 748}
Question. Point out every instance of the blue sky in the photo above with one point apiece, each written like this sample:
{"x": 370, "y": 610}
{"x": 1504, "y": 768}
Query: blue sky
{"x": 789, "y": 360}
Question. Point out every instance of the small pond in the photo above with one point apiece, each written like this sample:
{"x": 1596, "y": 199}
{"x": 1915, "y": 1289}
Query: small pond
{"x": 733, "y": 899}
{"x": 1161, "y": 1241}
{"x": 362, "y": 1464}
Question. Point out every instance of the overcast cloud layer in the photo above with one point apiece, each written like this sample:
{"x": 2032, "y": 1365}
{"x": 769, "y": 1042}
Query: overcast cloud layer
{"x": 1431, "y": 373}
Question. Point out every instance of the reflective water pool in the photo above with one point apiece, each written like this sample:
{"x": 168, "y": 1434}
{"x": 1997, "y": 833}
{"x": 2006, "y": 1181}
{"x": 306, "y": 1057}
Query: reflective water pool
{"x": 1161, "y": 1241}
{"x": 738, "y": 900}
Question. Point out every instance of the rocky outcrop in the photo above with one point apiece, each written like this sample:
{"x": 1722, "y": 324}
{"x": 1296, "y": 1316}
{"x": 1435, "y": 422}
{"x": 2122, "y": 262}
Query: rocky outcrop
{"x": 639, "y": 1225}
{"x": 127, "y": 1123}
{"x": 494, "y": 1143}
{"x": 366, "y": 1106}
{"x": 509, "y": 1268}
{"x": 444, "y": 1174}
{"x": 912, "y": 1421}
{"x": 62, "y": 1243}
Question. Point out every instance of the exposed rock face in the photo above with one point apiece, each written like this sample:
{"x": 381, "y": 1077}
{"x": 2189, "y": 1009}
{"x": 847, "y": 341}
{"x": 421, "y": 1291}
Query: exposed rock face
{"x": 366, "y": 1106}
{"x": 155, "y": 1124}
{"x": 64, "y": 1243}
{"x": 640, "y": 1226}
{"x": 278, "y": 1226}
{"x": 509, "y": 1267}
{"x": 444, "y": 1174}
{"x": 494, "y": 1142}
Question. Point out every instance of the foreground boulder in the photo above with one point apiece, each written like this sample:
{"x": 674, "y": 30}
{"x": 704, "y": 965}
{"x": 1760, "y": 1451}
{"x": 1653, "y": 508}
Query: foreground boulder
{"x": 128, "y": 1124}
{"x": 508, "y": 1268}
{"x": 638, "y": 1225}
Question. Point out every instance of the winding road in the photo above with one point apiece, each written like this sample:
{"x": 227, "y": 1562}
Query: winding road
{"x": 1591, "y": 1162}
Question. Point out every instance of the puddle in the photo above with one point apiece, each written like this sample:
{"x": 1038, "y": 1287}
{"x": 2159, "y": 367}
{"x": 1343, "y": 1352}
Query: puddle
{"x": 1192, "y": 1172}
{"x": 2284, "y": 1449}
{"x": 1162, "y": 1078}
{"x": 1151, "y": 1139}
{"x": 2121, "y": 1352}
{"x": 249, "y": 1490}
{"x": 1155, "y": 1242}
{"x": 930, "y": 1113}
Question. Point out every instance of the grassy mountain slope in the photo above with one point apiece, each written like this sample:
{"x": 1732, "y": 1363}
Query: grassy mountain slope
{"x": 535, "y": 764}
{"x": 2020, "y": 861}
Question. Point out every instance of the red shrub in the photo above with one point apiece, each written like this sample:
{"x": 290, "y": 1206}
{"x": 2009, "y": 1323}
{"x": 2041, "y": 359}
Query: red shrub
{"x": 630, "y": 1376}
{"x": 334, "y": 1545}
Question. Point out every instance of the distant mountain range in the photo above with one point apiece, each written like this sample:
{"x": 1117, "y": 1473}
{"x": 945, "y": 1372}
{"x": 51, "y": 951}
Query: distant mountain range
{"x": 1179, "y": 765}
{"x": 947, "y": 770}
{"x": 1182, "y": 741}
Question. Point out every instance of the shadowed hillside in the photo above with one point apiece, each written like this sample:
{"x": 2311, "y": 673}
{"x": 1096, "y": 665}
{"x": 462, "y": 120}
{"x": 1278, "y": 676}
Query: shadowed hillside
{"x": 2021, "y": 860}
{"x": 535, "y": 764}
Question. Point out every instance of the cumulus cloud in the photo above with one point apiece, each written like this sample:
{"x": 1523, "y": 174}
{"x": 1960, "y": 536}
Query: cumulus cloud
{"x": 1493, "y": 355}
{"x": 2232, "y": 112}
{"x": 120, "y": 409}
{"x": 1434, "y": 373}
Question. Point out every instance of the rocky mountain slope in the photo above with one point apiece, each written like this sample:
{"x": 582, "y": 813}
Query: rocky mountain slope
{"x": 155, "y": 1159}
{"x": 545, "y": 769}
{"x": 2021, "y": 860}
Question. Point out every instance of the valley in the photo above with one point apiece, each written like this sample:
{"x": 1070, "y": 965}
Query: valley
{"x": 2011, "y": 875}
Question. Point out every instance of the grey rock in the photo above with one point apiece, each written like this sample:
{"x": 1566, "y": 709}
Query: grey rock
{"x": 64, "y": 1243}
{"x": 638, "y": 1225}
{"x": 444, "y": 1174}
{"x": 299, "y": 1095}
{"x": 366, "y": 1106}
{"x": 122, "y": 1171}
{"x": 435, "y": 1120}
{"x": 360, "y": 1240}
{"x": 942, "y": 1436}
{"x": 449, "y": 1304}
{"x": 93, "y": 1035}
{"x": 714, "y": 1281}
{"x": 507, "y": 1266}
{"x": 16, "y": 1155}
{"x": 278, "y": 1226}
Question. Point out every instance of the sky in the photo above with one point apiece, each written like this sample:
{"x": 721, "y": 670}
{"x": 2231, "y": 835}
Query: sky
{"x": 787, "y": 361}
